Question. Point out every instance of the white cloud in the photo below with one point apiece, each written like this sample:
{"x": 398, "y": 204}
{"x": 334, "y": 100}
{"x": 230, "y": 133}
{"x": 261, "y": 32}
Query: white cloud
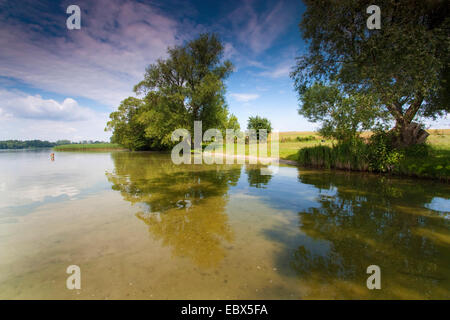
{"x": 20, "y": 105}
{"x": 244, "y": 97}
{"x": 27, "y": 117}
{"x": 51, "y": 130}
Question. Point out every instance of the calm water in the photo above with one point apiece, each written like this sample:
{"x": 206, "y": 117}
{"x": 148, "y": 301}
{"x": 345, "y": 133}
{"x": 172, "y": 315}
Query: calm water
{"x": 140, "y": 227}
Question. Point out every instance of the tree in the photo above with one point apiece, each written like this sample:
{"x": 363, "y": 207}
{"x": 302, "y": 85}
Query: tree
{"x": 343, "y": 116}
{"x": 233, "y": 123}
{"x": 403, "y": 67}
{"x": 186, "y": 87}
{"x": 128, "y": 129}
{"x": 258, "y": 123}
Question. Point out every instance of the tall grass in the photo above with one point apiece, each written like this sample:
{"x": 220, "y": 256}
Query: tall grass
{"x": 340, "y": 156}
{"x": 423, "y": 161}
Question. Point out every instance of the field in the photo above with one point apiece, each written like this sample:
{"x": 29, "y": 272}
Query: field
{"x": 88, "y": 147}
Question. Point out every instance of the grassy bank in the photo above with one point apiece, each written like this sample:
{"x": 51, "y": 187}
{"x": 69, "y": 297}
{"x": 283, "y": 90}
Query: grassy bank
{"x": 89, "y": 147}
{"x": 428, "y": 161}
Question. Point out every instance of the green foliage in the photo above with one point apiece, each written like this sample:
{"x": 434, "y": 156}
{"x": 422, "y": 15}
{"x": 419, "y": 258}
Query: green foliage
{"x": 435, "y": 164}
{"x": 128, "y": 129}
{"x": 383, "y": 157}
{"x": 186, "y": 87}
{"x": 259, "y": 123}
{"x": 403, "y": 67}
{"x": 307, "y": 138}
{"x": 342, "y": 116}
{"x": 17, "y": 144}
{"x": 233, "y": 123}
{"x": 88, "y": 147}
{"x": 349, "y": 155}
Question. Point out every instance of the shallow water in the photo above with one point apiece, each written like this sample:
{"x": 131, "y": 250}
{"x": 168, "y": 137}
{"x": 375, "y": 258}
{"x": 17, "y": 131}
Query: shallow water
{"x": 140, "y": 227}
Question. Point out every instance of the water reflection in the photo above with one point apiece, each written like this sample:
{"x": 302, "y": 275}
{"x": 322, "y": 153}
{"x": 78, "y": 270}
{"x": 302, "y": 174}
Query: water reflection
{"x": 254, "y": 176}
{"x": 375, "y": 221}
{"x": 182, "y": 205}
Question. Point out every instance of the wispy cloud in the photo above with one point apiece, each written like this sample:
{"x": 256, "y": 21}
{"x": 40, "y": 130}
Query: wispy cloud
{"x": 277, "y": 72}
{"x": 244, "y": 97}
{"x": 102, "y": 61}
{"x": 260, "y": 29}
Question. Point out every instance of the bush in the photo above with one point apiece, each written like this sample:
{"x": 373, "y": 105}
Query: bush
{"x": 418, "y": 150}
{"x": 383, "y": 157}
{"x": 307, "y": 138}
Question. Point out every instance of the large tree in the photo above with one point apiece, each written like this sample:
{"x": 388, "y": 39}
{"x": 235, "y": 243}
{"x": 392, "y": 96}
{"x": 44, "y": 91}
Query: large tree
{"x": 403, "y": 67}
{"x": 185, "y": 87}
{"x": 259, "y": 123}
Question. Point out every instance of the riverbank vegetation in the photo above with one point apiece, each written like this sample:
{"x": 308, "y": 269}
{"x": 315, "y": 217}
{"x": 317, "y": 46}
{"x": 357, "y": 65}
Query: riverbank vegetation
{"x": 32, "y": 144}
{"x": 89, "y": 147}
{"x": 378, "y": 155}
{"x": 27, "y": 144}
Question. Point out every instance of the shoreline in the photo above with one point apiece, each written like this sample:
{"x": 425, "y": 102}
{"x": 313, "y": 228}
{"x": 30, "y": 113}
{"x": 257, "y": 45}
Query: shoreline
{"x": 257, "y": 158}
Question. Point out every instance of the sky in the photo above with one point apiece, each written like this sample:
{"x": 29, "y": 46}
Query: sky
{"x": 57, "y": 83}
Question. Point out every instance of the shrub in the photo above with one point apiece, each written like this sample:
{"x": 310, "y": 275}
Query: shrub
{"x": 307, "y": 138}
{"x": 383, "y": 157}
{"x": 418, "y": 150}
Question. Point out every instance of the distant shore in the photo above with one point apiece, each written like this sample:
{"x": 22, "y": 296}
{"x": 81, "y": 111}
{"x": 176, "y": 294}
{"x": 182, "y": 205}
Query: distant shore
{"x": 89, "y": 147}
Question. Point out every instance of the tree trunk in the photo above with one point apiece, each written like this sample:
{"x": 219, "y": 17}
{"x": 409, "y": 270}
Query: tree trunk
{"x": 407, "y": 134}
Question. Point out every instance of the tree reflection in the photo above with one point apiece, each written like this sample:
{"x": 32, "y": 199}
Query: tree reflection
{"x": 375, "y": 220}
{"x": 254, "y": 176}
{"x": 183, "y": 206}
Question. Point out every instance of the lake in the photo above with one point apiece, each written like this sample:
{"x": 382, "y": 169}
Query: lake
{"x": 140, "y": 227}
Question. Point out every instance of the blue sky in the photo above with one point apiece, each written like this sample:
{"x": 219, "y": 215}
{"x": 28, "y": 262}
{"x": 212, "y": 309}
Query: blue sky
{"x": 57, "y": 83}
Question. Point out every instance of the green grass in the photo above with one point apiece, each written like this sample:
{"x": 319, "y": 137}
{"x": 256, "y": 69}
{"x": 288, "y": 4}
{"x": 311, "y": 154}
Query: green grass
{"x": 436, "y": 165}
{"x": 433, "y": 164}
{"x": 89, "y": 147}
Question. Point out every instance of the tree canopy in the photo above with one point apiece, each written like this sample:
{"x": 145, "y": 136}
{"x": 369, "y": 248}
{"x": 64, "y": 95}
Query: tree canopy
{"x": 259, "y": 123}
{"x": 403, "y": 67}
{"x": 343, "y": 117}
{"x": 185, "y": 87}
{"x": 128, "y": 129}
